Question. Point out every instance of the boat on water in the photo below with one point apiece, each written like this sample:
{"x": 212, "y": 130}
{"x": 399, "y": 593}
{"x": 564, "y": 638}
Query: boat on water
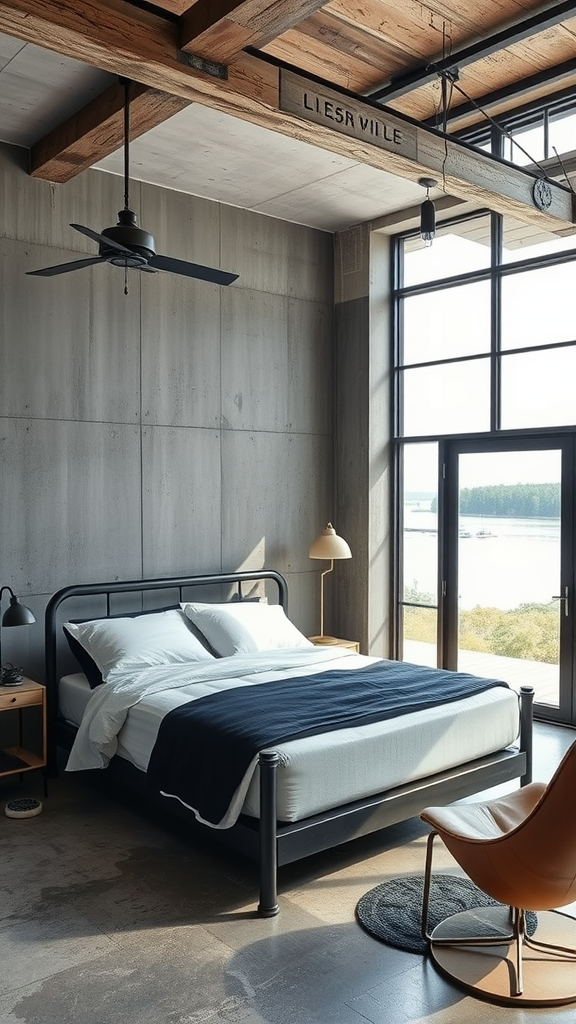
{"x": 482, "y": 534}
{"x": 464, "y": 533}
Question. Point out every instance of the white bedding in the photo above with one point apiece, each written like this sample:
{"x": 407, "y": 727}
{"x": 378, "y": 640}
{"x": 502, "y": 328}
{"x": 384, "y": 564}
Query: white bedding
{"x": 315, "y": 773}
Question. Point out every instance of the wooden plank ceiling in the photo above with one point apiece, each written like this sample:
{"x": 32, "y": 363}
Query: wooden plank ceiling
{"x": 227, "y": 54}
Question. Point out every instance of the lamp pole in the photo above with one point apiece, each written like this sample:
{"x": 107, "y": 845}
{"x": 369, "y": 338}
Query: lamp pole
{"x": 322, "y": 575}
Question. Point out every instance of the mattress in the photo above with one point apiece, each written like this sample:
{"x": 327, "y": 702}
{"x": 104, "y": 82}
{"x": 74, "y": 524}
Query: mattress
{"x": 327, "y": 770}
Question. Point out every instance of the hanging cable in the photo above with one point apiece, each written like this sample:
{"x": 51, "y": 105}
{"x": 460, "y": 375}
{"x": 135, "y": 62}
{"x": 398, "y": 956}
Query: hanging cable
{"x": 444, "y": 81}
{"x": 450, "y": 76}
{"x": 453, "y": 76}
{"x": 564, "y": 171}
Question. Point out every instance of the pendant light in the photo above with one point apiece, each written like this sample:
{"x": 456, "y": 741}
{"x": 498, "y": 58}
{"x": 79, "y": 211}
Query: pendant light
{"x": 427, "y": 212}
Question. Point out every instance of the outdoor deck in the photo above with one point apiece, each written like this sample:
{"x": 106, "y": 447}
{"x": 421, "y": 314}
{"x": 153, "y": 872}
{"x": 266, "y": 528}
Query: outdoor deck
{"x": 515, "y": 671}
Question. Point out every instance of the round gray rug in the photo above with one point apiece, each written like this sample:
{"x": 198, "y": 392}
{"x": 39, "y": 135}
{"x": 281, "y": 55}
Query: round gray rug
{"x": 392, "y": 911}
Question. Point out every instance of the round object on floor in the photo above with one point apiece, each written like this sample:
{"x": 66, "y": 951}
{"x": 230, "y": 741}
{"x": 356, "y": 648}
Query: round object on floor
{"x": 392, "y": 911}
{"x": 487, "y": 971}
{"x": 23, "y": 807}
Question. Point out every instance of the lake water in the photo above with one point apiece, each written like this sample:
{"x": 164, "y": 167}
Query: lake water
{"x": 518, "y": 563}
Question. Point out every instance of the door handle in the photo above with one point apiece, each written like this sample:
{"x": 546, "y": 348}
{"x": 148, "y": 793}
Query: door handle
{"x": 564, "y": 598}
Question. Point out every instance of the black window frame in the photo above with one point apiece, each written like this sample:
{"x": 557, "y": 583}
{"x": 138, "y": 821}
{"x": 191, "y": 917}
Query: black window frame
{"x": 495, "y": 272}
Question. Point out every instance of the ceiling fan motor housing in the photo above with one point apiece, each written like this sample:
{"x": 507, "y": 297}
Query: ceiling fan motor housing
{"x": 126, "y": 232}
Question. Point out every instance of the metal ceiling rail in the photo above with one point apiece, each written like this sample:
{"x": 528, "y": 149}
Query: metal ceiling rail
{"x": 515, "y": 90}
{"x": 546, "y": 18}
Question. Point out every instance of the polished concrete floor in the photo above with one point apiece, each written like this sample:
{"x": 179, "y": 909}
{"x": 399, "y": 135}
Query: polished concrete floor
{"x": 109, "y": 917}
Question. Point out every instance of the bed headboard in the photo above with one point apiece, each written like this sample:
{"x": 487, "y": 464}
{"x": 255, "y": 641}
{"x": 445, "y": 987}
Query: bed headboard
{"x": 54, "y": 615}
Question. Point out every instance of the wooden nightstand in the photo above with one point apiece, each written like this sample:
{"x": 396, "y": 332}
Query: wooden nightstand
{"x": 332, "y": 641}
{"x": 17, "y": 759}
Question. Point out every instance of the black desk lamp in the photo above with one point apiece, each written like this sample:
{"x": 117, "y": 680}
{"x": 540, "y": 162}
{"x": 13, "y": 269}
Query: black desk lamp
{"x": 15, "y": 615}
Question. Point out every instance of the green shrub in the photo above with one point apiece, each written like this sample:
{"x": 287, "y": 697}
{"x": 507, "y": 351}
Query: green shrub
{"x": 529, "y": 632}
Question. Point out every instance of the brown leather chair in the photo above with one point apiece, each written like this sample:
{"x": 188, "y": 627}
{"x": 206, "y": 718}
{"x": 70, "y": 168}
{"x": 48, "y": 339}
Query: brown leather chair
{"x": 520, "y": 849}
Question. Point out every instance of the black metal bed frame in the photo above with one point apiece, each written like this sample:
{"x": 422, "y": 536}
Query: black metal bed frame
{"x": 266, "y": 840}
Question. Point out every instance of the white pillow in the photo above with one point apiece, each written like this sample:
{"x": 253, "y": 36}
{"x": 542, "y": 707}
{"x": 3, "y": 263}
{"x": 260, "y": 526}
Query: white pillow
{"x": 244, "y": 627}
{"x": 162, "y": 638}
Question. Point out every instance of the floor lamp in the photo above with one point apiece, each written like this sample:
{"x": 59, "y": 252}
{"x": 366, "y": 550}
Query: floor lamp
{"x": 328, "y": 545}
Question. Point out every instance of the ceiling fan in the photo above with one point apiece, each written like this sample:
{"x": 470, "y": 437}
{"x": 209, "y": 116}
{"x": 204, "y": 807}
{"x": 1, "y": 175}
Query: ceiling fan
{"x": 128, "y": 246}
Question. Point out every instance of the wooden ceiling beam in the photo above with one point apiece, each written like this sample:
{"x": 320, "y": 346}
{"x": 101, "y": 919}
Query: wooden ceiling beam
{"x": 98, "y": 129}
{"x": 219, "y": 30}
{"x": 133, "y": 43}
{"x": 130, "y": 42}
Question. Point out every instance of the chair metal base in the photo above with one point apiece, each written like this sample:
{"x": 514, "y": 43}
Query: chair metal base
{"x": 489, "y": 971}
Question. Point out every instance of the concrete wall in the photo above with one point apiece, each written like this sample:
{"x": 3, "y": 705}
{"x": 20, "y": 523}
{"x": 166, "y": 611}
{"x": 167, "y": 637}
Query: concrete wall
{"x": 363, "y": 435}
{"x": 181, "y": 428}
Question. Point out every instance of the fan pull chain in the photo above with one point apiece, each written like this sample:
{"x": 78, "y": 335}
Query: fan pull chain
{"x": 125, "y": 280}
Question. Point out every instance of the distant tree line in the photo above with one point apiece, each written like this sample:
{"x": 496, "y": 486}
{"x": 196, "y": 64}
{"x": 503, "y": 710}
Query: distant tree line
{"x": 516, "y": 501}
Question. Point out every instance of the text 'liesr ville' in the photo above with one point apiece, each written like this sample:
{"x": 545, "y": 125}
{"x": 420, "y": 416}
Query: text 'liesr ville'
{"x": 350, "y": 119}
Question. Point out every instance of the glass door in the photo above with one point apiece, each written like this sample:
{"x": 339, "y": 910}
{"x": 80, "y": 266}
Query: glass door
{"x": 506, "y": 566}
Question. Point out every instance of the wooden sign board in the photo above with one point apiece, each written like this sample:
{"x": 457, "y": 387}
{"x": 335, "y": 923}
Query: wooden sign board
{"x": 412, "y": 151}
{"x": 347, "y": 115}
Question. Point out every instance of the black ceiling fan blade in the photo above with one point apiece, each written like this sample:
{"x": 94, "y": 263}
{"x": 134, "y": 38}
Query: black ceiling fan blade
{"x": 196, "y": 270}
{"x": 101, "y": 239}
{"x": 64, "y": 268}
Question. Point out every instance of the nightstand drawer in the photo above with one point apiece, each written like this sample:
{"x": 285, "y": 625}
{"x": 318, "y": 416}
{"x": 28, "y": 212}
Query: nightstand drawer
{"x": 11, "y": 697}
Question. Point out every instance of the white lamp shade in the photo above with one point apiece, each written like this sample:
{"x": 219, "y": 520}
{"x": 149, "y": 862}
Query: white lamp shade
{"x": 329, "y": 545}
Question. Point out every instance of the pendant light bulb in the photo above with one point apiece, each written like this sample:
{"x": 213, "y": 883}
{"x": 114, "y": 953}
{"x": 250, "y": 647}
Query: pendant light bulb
{"x": 427, "y": 212}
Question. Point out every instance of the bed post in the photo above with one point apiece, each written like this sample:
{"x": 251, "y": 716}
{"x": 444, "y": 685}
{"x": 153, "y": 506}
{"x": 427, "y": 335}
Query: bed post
{"x": 268, "y": 905}
{"x": 51, "y": 683}
{"x": 526, "y": 705}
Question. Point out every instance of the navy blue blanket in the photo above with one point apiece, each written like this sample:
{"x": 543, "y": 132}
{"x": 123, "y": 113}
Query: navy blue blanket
{"x": 205, "y": 747}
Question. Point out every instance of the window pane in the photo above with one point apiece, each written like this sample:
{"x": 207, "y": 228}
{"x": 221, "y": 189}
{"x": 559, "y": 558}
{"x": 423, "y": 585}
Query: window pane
{"x": 538, "y": 389}
{"x": 447, "y": 399}
{"x": 447, "y": 324}
{"x": 456, "y": 249}
{"x": 419, "y": 644}
{"x": 420, "y": 568}
{"x": 527, "y": 146}
{"x": 523, "y": 241}
{"x": 538, "y": 307}
{"x": 561, "y": 133}
{"x": 509, "y": 567}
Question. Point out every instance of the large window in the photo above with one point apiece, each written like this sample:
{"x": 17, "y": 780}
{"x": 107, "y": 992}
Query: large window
{"x": 492, "y": 347}
{"x": 485, "y": 372}
{"x": 529, "y": 136}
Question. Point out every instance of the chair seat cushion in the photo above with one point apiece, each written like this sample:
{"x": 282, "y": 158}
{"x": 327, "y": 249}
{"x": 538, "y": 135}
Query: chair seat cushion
{"x": 487, "y": 820}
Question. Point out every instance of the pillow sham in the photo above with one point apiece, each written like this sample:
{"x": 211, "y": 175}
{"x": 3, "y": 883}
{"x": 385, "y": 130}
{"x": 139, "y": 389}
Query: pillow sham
{"x": 87, "y": 664}
{"x": 244, "y": 627}
{"x": 132, "y": 642}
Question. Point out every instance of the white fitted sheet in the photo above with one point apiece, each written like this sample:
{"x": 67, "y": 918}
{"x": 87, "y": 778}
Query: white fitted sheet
{"x": 330, "y": 769}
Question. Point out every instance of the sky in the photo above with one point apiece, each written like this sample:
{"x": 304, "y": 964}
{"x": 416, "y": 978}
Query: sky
{"x": 481, "y": 469}
{"x": 538, "y": 387}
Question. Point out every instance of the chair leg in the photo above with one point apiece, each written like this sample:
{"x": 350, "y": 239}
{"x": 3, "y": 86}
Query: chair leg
{"x": 519, "y": 929}
{"x": 474, "y": 978}
{"x": 461, "y": 940}
{"x": 427, "y": 878}
{"x": 548, "y": 947}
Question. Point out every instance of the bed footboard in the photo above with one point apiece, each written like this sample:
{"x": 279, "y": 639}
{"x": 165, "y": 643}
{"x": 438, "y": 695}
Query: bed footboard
{"x": 282, "y": 844}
